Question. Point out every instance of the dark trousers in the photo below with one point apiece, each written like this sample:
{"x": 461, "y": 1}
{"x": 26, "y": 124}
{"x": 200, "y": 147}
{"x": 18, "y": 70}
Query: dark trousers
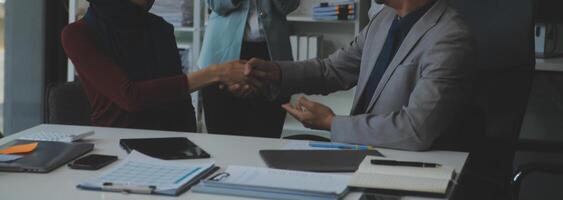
{"x": 256, "y": 116}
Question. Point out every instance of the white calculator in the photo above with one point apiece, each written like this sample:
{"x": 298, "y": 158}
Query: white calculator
{"x": 57, "y": 136}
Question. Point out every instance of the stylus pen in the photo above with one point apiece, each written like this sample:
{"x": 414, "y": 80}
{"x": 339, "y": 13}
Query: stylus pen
{"x": 339, "y": 146}
{"x": 403, "y": 163}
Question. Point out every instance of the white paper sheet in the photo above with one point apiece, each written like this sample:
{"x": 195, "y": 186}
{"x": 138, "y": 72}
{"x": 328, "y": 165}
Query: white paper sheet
{"x": 286, "y": 179}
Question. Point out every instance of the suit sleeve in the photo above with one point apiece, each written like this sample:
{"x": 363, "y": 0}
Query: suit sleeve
{"x": 223, "y": 7}
{"x": 323, "y": 76}
{"x": 108, "y": 79}
{"x": 439, "y": 94}
{"x": 286, "y": 6}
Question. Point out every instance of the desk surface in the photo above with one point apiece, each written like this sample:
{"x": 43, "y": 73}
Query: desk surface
{"x": 225, "y": 150}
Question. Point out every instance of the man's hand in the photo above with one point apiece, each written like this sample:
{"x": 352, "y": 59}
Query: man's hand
{"x": 233, "y": 77}
{"x": 311, "y": 114}
{"x": 263, "y": 70}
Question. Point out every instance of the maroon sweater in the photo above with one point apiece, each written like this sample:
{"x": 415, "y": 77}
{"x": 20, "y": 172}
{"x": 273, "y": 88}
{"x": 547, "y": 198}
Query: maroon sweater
{"x": 116, "y": 101}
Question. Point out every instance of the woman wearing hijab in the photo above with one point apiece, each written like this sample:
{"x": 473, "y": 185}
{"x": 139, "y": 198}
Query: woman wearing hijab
{"x": 129, "y": 66}
{"x": 245, "y": 29}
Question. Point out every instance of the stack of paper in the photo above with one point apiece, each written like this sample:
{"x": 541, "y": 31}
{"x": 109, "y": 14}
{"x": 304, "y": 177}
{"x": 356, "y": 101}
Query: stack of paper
{"x": 401, "y": 179}
{"x": 139, "y": 173}
{"x": 343, "y": 10}
{"x": 275, "y": 184}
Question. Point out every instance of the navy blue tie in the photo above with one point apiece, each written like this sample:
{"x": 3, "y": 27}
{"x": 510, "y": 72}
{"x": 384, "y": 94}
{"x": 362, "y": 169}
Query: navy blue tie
{"x": 388, "y": 51}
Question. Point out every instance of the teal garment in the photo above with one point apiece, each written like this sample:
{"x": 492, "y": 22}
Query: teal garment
{"x": 226, "y": 28}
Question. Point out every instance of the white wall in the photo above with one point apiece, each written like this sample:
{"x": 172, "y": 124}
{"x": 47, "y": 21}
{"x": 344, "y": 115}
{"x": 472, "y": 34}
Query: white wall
{"x": 24, "y": 72}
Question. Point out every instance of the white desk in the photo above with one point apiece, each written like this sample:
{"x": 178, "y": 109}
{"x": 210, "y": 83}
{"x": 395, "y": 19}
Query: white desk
{"x": 225, "y": 150}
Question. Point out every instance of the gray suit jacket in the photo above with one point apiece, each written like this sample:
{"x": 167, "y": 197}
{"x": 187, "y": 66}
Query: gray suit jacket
{"x": 420, "y": 96}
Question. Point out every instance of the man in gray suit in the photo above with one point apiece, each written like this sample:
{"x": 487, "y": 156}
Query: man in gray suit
{"x": 410, "y": 68}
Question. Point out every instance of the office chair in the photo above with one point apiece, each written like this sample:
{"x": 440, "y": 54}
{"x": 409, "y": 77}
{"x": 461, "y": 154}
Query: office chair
{"x": 505, "y": 61}
{"x": 530, "y": 168}
{"x": 545, "y": 153}
{"x": 66, "y": 103}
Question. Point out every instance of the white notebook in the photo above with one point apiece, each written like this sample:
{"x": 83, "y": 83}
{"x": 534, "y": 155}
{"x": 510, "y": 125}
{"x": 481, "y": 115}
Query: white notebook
{"x": 398, "y": 178}
{"x": 275, "y": 184}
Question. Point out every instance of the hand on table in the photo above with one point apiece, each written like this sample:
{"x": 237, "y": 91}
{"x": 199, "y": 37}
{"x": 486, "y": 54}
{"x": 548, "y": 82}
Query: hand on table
{"x": 311, "y": 114}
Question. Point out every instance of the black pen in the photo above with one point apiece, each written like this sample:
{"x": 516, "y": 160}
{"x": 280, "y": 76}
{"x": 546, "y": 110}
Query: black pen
{"x": 403, "y": 163}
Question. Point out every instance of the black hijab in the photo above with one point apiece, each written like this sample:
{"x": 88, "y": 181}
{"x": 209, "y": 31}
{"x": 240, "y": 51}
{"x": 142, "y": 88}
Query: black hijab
{"x": 141, "y": 43}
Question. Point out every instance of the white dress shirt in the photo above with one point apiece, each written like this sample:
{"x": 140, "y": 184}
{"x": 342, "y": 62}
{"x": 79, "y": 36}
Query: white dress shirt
{"x": 253, "y": 31}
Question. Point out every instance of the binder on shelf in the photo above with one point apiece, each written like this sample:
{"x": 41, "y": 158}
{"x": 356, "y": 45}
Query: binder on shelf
{"x": 303, "y": 48}
{"x": 402, "y": 180}
{"x": 142, "y": 174}
{"x": 314, "y": 46}
{"x": 275, "y": 184}
{"x": 294, "y": 40}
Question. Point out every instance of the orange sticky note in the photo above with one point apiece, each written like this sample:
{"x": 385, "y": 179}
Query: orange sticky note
{"x": 21, "y": 148}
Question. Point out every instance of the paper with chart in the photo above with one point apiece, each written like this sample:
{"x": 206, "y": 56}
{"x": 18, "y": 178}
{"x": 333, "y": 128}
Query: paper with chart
{"x": 141, "y": 170}
{"x": 286, "y": 179}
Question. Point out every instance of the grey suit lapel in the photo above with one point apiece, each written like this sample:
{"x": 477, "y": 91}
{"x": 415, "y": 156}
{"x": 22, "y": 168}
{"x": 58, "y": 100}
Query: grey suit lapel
{"x": 413, "y": 37}
{"x": 371, "y": 53}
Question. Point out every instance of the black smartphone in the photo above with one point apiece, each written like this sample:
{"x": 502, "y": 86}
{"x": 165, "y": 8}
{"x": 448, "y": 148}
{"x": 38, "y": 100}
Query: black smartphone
{"x": 92, "y": 162}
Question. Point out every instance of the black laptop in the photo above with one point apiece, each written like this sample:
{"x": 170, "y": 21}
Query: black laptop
{"x": 46, "y": 157}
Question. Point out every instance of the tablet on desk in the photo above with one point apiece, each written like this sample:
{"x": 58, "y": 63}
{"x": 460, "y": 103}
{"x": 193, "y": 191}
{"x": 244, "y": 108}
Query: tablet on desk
{"x": 171, "y": 148}
{"x": 316, "y": 160}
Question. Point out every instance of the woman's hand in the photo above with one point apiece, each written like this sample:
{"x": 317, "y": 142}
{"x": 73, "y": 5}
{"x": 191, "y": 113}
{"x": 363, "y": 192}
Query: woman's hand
{"x": 232, "y": 72}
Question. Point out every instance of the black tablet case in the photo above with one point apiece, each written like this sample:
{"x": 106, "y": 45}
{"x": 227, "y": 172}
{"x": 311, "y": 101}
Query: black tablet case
{"x": 316, "y": 160}
{"x": 171, "y": 148}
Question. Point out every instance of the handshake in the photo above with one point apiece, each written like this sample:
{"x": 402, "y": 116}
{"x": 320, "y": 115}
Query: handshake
{"x": 257, "y": 77}
{"x": 249, "y": 78}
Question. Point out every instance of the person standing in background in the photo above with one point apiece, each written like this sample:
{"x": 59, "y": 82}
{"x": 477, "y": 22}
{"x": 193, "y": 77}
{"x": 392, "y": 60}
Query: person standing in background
{"x": 245, "y": 29}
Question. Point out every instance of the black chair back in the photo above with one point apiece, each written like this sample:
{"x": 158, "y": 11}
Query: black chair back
{"x": 504, "y": 48}
{"x": 66, "y": 103}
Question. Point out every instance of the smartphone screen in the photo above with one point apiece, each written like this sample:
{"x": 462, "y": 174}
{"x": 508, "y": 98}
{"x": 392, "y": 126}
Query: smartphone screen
{"x": 92, "y": 162}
